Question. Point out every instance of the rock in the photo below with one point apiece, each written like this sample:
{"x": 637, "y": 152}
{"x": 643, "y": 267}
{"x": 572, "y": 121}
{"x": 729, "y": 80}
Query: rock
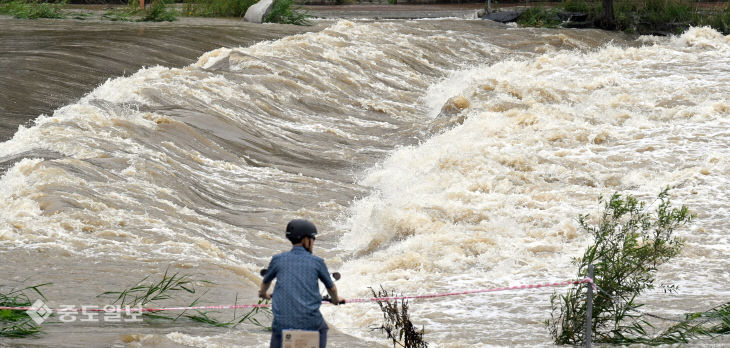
{"x": 454, "y": 105}
{"x": 450, "y": 115}
{"x": 503, "y": 16}
{"x": 257, "y": 11}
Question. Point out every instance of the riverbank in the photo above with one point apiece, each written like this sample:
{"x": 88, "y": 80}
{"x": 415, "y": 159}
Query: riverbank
{"x": 633, "y": 17}
{"x": 385, "y": 11}
{"x": 374, "y": 11}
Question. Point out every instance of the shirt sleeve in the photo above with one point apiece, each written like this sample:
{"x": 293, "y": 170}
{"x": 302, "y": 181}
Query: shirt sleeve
{"x": 271, "y": 271}
{"x": 324, "y": 275}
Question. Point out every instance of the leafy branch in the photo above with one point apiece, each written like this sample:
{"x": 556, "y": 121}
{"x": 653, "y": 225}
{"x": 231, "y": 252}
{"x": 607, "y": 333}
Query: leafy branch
{"x": 630, "y": 242}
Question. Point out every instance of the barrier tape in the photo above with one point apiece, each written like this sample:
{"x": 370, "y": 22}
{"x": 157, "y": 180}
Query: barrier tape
{"x": 470, "y": 292}
{"x": 128, "y": 309}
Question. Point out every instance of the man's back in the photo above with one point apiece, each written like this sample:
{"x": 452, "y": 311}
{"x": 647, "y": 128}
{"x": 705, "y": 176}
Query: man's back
{"x": 296, "y": 299}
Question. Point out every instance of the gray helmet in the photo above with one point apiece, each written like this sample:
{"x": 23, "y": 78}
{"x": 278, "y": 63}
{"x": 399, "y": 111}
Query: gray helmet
{"x": 298, "y": 229}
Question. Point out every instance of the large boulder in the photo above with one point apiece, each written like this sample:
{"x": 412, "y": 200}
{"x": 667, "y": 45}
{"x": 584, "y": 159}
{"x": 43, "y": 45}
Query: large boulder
{"x": 257, "y": 11}
{"x": 503, "y": 16}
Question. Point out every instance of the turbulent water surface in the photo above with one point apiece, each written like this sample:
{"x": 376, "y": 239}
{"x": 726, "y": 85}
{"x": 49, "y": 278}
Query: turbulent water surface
{"x": 354, "y": 127}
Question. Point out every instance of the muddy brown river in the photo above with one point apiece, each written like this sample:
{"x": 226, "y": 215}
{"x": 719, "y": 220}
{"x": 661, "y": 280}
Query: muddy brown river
{"x": 129, "y": 149}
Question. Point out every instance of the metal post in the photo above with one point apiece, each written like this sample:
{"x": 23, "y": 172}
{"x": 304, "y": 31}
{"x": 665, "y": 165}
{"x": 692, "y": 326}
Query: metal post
{"x": 589, "y": 309}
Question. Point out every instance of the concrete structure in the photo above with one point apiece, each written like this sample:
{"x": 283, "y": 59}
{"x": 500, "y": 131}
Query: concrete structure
{"x": 257, "y": 11}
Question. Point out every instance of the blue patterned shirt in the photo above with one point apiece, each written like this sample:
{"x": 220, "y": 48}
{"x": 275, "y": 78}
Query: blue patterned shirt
{"x": 296, "y": 298}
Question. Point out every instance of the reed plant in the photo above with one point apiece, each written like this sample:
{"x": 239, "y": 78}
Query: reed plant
{"x": 173, "y": 286}
{"x": 17, "y": 324}
{"x": 32, "y": 9}
{"x": 249, "y": 316}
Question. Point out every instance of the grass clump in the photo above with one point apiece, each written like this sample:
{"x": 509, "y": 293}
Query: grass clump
{"x": 127, "y": 14}
{"x": 717, "y": 18}
{"x": 217, "y": 8}
{"x": 16, "y": 324}
{"x": 159, "y": 12}
{"x": 651, "y": 16}
{"x": 397, "y": 322}
{"x": 577, "y": 6}
{"x": 32, "y": 9}
{"x": 284, "y": 12}
{"x": 539, "y": 17}
{"x": 629, "y": 244}
{"x": 660, "y": 17}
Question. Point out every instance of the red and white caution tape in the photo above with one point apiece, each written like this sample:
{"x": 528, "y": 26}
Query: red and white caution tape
{"x": 128, "y": 309}
{"x": 470, "y": 292}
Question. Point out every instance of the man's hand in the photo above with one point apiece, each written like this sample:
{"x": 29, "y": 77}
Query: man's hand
{"x": 264, "y": 295}
{"x": 336, "y": 300}
{"x": 263, "y": 290}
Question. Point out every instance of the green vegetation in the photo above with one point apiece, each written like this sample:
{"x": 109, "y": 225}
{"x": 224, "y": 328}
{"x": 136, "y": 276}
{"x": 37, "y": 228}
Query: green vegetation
{"x": 143, "y": 293}
{"x": 124, "y": 14}
{"x": 654, "y": 15}
{"x": 397, "y": 322}
{"x": 169, "y": 287}
{"x": 32, "y": 9}
{"x": 718, "y": 18}
{"x": 217, "y": 8}
{"x": 629, "y": 244}
{"x": 539, "y": 17}
{"x": 15, "y": 324}
{"x": 82, "y": 16}
{"x": 158, "y": 12}
{"x": 634, "y": 16}
{"x": 284, "y": 12}
{"x": 711, "y": 323}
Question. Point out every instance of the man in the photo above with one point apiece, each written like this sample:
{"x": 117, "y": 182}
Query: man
{"x": 297, "y": 299}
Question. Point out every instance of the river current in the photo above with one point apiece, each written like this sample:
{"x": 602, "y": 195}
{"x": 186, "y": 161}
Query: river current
{"x": 354, "y": 124}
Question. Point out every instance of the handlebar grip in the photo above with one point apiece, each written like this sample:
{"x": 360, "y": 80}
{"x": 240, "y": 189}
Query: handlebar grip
{"x": 335, "y": 275}
{"x": 329, "y": 299}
